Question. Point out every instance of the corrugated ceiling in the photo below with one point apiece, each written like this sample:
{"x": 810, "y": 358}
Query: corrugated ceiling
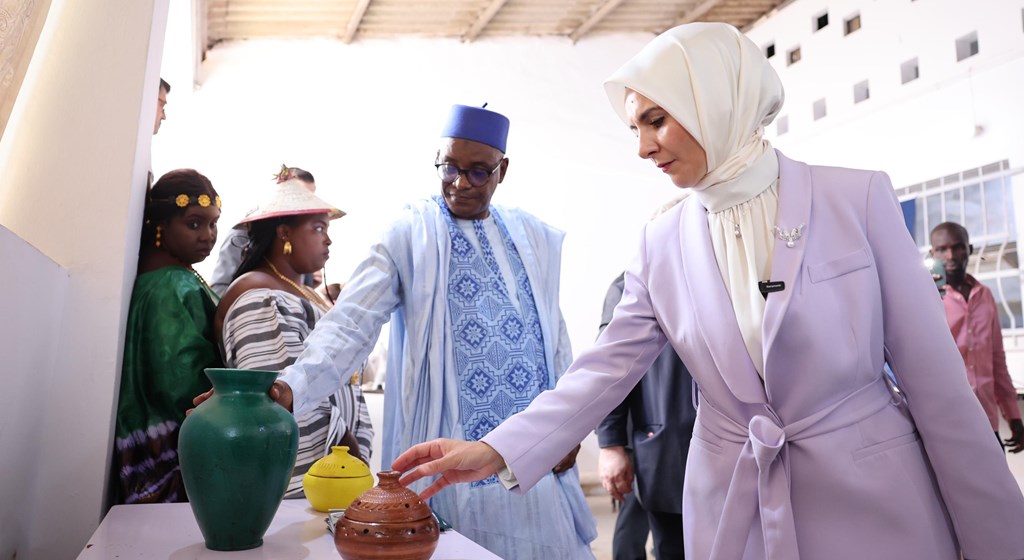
{"x": 469, "y": 20}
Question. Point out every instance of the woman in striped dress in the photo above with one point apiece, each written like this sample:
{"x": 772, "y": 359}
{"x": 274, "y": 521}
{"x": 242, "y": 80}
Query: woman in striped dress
{"x": 266, "y": 314}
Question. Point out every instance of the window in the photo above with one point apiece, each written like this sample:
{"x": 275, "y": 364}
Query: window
{"x": 851, "y": 24}
{"x": 782, "y": 125}
{"x": 819, "y": 109}
{"x": 793, "y": 56}
{"x": 967, "y": 46}
{"x": 861, "y": 92}
{"x": 820, "y": 21}
{"x": 769, "y": 50}
{"x": 981, "y": 199}
{"x": 909, "y": 71}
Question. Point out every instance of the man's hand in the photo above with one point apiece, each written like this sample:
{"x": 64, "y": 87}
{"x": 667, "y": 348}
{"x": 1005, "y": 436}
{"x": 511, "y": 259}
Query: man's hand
{"x": 279, "y": 392}
{"x": 616, "y": 471}
{"x": 200, "y": 399}
{"x": 567, "y": 462}
{"x": 455, "y": 461}
{"x": 1015, "y": 443}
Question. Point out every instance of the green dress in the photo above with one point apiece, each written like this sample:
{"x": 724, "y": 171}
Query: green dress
{"x": 169, "y": 341}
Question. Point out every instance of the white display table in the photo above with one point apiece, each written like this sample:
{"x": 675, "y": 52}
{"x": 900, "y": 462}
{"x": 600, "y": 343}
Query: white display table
{"x": 169, "y": 531}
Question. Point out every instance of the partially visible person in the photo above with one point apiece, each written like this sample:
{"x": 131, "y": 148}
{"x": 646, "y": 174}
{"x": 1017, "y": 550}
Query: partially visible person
{"x": 330, "y": 292}
{"x": 784, "y": 287}
{"x": 231, "y": 249}
{"x": 161, "y": 103}
{"x": 169, "y": 338}
{"x": 267, "y": 313}
{"x": 643, "y": 444}
{"x": 314, "y": 279}
{"x": 974, "y": 322}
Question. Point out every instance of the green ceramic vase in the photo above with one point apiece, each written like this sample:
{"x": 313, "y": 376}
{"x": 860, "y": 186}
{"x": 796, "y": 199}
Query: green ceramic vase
{"x": 237, "y": 451}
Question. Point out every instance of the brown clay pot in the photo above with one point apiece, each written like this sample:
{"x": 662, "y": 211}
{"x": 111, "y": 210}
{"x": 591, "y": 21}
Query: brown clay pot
{"x": 387, "y": 522}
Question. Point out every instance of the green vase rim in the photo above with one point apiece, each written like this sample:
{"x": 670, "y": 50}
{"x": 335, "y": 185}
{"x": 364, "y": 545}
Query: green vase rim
{"x": 235, "y": 379}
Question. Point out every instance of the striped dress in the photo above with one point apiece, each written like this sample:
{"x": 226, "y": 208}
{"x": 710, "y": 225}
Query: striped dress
{"x": 265, "y": 329}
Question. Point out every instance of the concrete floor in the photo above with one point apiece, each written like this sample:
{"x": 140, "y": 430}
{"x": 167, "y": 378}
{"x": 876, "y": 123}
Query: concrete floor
{"x": 601, "y": 507}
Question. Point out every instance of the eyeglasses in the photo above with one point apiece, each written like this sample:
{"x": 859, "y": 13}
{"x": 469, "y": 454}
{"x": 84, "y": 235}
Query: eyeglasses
{"x": 477, "y": 177}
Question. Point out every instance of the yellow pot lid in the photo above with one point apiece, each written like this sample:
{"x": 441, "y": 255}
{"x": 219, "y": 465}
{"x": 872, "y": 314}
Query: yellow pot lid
{"x": 339, "y": 464}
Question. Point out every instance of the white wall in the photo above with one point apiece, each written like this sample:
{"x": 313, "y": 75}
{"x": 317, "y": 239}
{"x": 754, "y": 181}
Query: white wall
{"x": 365, "y": 119}
{"x": 74, "y": 159}
{"x": 917, "y": 131}
{"x": 28, "y": 359}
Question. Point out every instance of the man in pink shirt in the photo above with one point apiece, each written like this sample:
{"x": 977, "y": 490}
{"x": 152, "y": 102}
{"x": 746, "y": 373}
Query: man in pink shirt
{"x": 974, "y": 321}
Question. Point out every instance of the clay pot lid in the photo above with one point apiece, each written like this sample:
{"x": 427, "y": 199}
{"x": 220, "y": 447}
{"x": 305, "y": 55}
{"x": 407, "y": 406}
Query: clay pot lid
{"x": 339, "y": 464}
{"x": 388, "y": 502}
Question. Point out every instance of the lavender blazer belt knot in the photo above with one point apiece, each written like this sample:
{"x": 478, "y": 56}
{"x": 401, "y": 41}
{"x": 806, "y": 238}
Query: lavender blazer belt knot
{"x": 760, "y": 481}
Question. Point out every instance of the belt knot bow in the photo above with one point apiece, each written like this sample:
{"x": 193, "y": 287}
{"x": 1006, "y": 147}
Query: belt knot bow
{"x": 760, "y": 485}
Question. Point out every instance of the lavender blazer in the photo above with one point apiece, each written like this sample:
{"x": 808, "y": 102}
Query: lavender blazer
{"x": 825, "y": 459}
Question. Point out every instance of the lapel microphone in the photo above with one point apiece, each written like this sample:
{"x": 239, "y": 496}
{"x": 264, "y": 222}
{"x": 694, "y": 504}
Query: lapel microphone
{"x": 769, "y": 287}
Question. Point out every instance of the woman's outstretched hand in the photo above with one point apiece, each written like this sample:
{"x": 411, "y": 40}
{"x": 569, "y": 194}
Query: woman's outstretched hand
{"x": 455, "y": 461}
{"x": 279, "y": 392}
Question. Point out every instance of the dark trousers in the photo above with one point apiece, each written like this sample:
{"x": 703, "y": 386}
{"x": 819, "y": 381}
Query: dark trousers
{"x": 633, "y": 524}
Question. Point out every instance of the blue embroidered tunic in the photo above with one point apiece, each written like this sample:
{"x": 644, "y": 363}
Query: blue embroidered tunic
{"x": 499, "y": 347}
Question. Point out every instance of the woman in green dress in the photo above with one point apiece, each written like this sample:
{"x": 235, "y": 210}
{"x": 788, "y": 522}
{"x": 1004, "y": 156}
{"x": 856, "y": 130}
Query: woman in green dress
{"x": 169, "y": 338}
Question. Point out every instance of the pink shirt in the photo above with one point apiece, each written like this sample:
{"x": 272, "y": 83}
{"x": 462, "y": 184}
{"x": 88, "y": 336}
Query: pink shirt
{"x": 976, "y": 330}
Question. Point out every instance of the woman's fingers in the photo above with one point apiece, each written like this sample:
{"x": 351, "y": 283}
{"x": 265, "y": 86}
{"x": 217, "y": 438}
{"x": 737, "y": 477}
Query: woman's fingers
{"x": 454, "y": 461}
{"x": 415, "y": 456}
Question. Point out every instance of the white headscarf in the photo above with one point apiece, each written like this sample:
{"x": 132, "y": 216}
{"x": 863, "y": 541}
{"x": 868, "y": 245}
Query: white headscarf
{"x": 716, "y": 83}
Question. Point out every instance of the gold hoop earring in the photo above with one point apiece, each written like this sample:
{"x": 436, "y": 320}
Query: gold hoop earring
{"x": 157, "y": 237}
{"x": 287, "y": 247}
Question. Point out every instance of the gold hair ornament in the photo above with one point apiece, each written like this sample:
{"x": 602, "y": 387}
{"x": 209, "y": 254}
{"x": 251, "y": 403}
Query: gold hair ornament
{"x": 183, "y": 200}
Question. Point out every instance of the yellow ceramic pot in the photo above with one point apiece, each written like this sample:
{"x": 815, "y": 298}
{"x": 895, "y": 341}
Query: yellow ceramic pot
{"x": 335, "y": 480}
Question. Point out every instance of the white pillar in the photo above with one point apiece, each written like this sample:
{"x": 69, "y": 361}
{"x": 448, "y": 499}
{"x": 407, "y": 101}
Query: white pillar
{"x": 74, "y": 160}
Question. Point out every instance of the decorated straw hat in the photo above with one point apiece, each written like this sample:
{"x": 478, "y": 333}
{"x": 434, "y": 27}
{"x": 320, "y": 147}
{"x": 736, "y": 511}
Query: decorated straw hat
{"x": 290, "y": 198}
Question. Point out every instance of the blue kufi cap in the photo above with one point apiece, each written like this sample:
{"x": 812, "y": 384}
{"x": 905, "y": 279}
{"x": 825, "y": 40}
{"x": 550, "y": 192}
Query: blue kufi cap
{"x": 477, "y": 124}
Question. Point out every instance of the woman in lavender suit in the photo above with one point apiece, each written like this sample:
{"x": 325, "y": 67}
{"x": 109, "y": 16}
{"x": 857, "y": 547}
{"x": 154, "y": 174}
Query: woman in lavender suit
{"x": 785, "y": 288}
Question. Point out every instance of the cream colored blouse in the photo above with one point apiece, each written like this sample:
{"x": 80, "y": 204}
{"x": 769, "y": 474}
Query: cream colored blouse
{"x": 741, "y": 218}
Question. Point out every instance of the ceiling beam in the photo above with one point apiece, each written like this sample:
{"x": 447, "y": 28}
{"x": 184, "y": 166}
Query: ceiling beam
{"x": 594, "y": 19}
{"x": 485, "y": 18}
{"x": 698, "y": 12}
{"x": 355, "y": 20}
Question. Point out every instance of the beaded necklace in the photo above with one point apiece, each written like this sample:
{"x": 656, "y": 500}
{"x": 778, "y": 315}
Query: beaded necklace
{"x": 305, "y": 291}
{"x": 202, "y": 280}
